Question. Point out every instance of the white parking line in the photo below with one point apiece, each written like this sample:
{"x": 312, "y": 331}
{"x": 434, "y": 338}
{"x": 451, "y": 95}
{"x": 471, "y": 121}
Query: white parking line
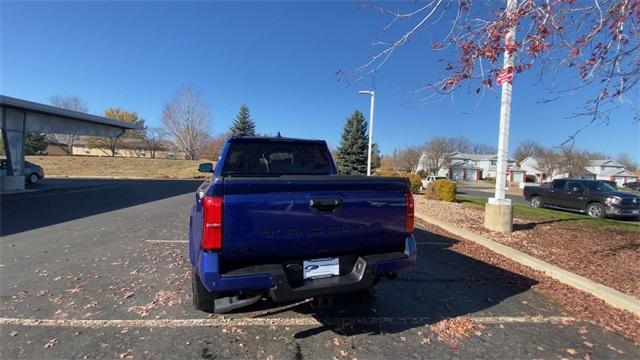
{"x": 302, "y": 321}
{"x": 168, "y": 241}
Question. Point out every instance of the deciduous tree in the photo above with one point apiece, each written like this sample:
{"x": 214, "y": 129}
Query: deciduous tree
{"x": 597, "y": 43}
{"x": 69, "y": 102}
{"x": 549, "y": 162}
{"x": 154, "y": 139}
{"x": 109, "y": 144}
{"x": 407, "y": 159}
{"x": 186, "y": 119}
{"x": 527, "y": 148}
{"x": 213, "y": 149}
{"x": 437, "y": 152}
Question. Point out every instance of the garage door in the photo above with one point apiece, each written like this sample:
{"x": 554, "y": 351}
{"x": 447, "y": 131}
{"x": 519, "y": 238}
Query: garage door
{"x": 518, "y": 176}
{"x": 470, "y": 175}
{"x": 458, "y": 174}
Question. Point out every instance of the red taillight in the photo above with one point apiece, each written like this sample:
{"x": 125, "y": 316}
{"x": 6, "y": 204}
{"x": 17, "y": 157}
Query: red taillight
{"x": 212, "y": 223}
{"x": 409, "y": 220}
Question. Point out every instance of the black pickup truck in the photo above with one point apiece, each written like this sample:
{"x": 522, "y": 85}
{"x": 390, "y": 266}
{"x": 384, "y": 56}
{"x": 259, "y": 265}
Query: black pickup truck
{"x": 597, "y": 198}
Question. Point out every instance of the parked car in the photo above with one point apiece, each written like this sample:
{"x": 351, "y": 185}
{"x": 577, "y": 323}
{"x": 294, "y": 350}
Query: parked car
{"x": 597, "y": 198}
{"x": 432, "y": 178}
{"x": 633, "y": 185}
{"x": 32, "y": 172}
{"x": 276, "y": 220}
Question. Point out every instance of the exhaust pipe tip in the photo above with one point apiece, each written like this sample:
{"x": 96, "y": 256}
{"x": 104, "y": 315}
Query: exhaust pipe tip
{"x": 226, "y": 304}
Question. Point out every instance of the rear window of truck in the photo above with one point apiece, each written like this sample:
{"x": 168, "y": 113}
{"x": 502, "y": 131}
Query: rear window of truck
{"x": 276, "y": 158}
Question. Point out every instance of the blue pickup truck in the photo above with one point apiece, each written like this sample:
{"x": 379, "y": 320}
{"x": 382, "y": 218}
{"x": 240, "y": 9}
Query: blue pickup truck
{"x": 276, "y": 220}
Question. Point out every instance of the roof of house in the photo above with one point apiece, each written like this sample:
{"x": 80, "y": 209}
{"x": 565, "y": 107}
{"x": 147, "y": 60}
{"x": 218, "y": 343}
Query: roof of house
{"x": 476, "y": 157}
{"x": 617, "y": 172}
{"x": 600, "y": 162}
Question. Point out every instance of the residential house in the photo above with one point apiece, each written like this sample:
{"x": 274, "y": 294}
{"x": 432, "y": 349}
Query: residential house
{"x": 473, "y": 167}
{"x": 604, "y": 169}
{"x": 610, "y": 170}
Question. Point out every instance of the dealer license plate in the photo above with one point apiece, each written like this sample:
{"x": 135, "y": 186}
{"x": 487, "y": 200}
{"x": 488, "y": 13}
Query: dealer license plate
{"x": 320, "y": 268}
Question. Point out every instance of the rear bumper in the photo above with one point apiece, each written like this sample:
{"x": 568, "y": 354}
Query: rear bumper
{"x": 285, "y": 283}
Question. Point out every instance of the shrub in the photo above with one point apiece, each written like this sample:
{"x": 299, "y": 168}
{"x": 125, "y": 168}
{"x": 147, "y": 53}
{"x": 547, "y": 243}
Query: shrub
{"x": 430, "y": 192}
{"x": 414, "y": 179}
{"x": 490, "y": 179}
{"x": 445, "y": 190}
{"x": 386, "y": 173}
{"x": 422, "y": 174}
{"x": 416, "y": 182}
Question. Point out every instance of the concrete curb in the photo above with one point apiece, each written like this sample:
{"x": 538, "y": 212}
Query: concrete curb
{"x": 609, "y": 295}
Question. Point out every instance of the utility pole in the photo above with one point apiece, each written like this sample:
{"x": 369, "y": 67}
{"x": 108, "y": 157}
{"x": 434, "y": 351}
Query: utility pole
{"x": 373, "y": 98}
{"x": 498, "y": 212}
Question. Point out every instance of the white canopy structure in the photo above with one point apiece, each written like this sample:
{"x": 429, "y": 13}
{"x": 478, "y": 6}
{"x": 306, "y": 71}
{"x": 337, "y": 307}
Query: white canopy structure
{"x": 20, "y": 117}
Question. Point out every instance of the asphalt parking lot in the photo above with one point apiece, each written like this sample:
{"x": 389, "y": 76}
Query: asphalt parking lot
{"x": 101, "y": 272}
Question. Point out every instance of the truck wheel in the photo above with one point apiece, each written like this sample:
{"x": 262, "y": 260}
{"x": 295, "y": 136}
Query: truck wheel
{"x": 596, "y": 210}
{"x": 536, "y": 202}
{"x": 202, "y": 298}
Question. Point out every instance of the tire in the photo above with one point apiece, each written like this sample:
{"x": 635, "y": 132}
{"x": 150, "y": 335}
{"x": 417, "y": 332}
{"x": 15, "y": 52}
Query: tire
{"x": 536, "y": 202}
{"x": 202, "y": 298}
{"x": 33, "y": 178}
{"x": 596, "y": 210}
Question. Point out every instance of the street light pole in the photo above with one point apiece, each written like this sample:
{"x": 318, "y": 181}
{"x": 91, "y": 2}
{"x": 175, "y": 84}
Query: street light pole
{"x": 373, "y": 99}
{"x": 498, "y": 212}
{"x": 505, "y": 116}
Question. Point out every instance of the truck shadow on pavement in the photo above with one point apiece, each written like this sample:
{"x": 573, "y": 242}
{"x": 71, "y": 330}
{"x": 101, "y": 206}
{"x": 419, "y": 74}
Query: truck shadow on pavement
{"x": 444, "y": 284}
{"x": 61, "y": 200}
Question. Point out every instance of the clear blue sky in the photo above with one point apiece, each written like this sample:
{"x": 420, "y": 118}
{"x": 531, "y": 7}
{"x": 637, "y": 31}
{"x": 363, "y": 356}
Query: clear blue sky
{"x": 280, "y": 58}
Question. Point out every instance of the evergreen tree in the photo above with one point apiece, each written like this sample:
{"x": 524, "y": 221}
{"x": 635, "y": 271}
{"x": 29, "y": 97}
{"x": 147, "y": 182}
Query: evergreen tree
{"x": 243, "y": 125}
{"x": 34, "y": 144}
{"x": 376, "y": 157}
{"x": 352, "y": 152}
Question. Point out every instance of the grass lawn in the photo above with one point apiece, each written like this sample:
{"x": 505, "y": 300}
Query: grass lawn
{"x": 526, "y": 212}
{"x": 117, "y": 166}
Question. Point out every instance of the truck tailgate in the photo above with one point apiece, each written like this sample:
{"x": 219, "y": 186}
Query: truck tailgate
{"x": 273, "y": 219}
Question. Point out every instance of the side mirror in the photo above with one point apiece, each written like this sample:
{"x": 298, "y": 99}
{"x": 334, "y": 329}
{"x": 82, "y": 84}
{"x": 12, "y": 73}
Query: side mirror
{"x": 205, "y": 167}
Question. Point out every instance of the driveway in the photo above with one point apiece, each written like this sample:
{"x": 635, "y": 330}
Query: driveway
{"x": 103, "y": 273}
{"x": 484, "y": 194}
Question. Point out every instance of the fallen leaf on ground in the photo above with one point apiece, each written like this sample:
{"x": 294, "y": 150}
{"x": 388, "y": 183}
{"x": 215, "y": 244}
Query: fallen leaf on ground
{"x": 454, "y": 329}
{"x": 51, "y": 343}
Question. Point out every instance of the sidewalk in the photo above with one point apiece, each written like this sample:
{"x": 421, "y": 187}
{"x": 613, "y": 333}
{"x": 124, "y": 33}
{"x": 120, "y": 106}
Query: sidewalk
{"x": 609, "y": 295}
